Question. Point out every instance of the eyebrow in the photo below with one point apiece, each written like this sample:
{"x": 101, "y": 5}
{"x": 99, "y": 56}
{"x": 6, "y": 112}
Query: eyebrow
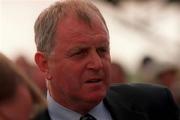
{"x": 76, "y": 48}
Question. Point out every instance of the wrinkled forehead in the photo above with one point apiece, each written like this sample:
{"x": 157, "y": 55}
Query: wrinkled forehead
{"x": 87, "y": 17}
{"x": 82, "y": 9}
{"x": 78, "y": 26}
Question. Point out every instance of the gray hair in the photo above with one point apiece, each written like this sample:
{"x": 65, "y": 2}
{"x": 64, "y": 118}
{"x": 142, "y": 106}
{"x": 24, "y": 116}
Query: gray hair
{"x": 45, "y": 25}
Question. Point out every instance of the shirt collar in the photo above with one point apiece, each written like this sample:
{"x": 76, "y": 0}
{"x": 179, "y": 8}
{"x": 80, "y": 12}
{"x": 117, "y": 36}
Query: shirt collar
{"x": 59, "y": 112}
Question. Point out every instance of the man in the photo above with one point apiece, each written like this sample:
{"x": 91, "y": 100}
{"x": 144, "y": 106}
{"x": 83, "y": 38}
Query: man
{"x": 73, "y": 51}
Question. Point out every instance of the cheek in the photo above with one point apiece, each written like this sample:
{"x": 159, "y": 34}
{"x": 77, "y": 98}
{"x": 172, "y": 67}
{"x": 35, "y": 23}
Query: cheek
{"x": 67, "y": 75}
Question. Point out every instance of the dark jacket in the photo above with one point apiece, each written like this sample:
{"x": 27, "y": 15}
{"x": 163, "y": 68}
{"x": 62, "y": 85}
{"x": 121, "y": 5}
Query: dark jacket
{"x": 137, "y": 102}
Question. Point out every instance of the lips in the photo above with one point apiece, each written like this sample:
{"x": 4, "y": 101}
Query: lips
{"x": 94, "y": 80}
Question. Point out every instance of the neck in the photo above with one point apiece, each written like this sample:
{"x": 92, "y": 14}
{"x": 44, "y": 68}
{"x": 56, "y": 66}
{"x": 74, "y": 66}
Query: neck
{"x": 77, "y": 106}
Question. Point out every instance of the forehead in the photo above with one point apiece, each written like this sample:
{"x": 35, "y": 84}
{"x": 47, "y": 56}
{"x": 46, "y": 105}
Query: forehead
{"x": 72, "y": 27}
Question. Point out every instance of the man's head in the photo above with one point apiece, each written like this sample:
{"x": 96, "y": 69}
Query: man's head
{"x": 45, "y": 26}
{"x": 73, "y": 51}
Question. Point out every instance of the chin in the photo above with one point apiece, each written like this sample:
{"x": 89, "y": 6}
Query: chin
{"x": 96, "y": 97}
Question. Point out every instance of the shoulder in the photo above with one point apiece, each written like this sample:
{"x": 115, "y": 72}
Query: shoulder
{"x": 140, "y": 93}
{"x": 139, "y": 89}
{"x": 147, "y": 98}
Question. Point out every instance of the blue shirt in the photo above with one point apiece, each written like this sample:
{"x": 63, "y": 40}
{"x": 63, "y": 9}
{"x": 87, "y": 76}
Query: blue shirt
{"x": 59, "y": 112}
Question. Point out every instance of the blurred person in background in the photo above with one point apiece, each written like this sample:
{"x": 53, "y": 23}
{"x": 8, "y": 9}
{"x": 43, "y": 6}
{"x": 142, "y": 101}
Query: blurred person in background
{"x": 146, "y": 71}
{"x": 20, "y": 99}
{"x": 162, "y": 73}
{"x": 72, "y": 42}
{"x": 32, "y": 72}
{"x": 118, "y": 74}
{"x": 168, "y": 75}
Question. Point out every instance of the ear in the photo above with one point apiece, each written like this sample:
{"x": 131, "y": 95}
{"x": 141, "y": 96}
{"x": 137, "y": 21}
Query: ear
{"x": 41, "y": 61}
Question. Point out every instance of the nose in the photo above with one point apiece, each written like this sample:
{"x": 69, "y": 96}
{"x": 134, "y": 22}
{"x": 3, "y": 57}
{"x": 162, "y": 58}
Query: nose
{"x": 95, "y": 61}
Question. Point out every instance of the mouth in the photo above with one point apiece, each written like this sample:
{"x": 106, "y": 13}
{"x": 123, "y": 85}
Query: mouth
{"x": 94, "y": 81}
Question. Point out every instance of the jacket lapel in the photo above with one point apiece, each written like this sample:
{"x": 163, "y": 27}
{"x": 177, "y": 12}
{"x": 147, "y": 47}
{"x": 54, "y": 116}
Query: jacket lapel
{"x": 120, "y": 110}
{"x": 44, "y": 115}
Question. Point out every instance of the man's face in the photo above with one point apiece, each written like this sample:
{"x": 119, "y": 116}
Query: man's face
{"x": 80, "y": 61}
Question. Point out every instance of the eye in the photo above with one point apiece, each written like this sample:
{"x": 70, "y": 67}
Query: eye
{"x": 79, "y": 52}
{"x": 102, "y": 51}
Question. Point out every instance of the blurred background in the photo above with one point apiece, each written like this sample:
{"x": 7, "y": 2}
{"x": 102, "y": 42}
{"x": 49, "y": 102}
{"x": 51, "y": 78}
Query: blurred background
{"x": 144, "y": 34}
